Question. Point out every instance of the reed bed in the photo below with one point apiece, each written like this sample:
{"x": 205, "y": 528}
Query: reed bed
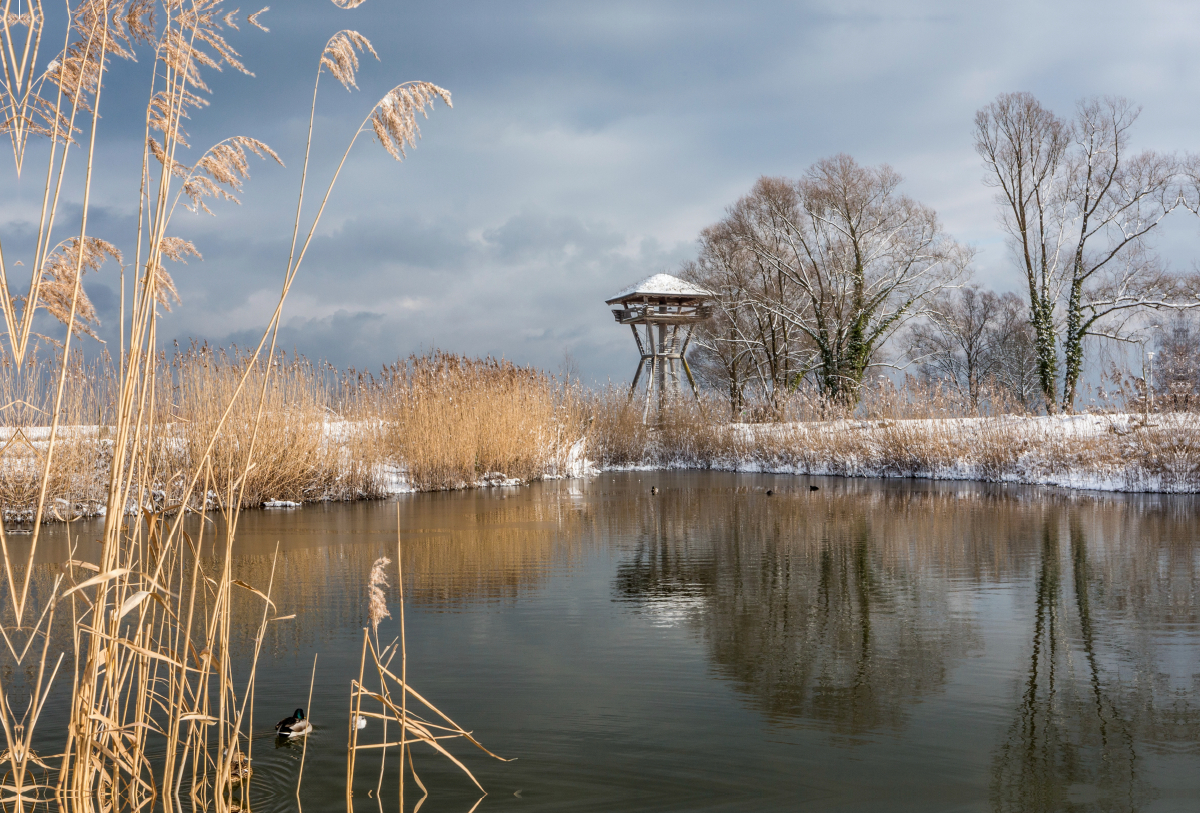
{"x": 443, "y": 421}
{"x": 910, "y": 431}
{"x": 77, "y": 471}
{"x": 453, "y": 422}
{"x": 158, "y": 718}
{"x": 316, "y": 433}
{"x": 302, "y": 451}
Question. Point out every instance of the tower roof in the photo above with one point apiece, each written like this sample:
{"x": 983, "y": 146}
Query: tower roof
{"x": 662, "y": 286}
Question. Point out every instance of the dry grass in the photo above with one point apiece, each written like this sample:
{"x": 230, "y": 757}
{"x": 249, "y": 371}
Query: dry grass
{"x": 436, "y": 421}
{"x": 451, "y": 421}
{"x": 157, "y": 719}
{"x": 442, "y": 421}
{"x": 75, "y": 479}
{"x": 302, "y": 452}
{"x": 911, "y": 431}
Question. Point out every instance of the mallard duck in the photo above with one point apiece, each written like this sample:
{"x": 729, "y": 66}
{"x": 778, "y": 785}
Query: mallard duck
{"x": 240, "y": 768}
{"x": 294, "y": 726}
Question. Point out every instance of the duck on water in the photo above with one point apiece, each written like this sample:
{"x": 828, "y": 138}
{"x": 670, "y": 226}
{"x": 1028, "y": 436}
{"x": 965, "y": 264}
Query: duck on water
{"x": 294, "y": 726}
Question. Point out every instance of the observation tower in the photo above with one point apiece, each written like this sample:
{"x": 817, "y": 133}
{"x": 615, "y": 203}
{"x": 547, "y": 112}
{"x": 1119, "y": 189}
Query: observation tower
{"x": 675, "y": 307}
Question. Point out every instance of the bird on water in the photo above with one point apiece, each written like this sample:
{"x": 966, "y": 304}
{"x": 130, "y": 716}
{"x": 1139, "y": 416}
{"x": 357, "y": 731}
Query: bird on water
{"x": 653, "y": 489}
{"x": 239, "y": 767}
{"x": 814, "y": 488}
{"x": 294, "y": 726}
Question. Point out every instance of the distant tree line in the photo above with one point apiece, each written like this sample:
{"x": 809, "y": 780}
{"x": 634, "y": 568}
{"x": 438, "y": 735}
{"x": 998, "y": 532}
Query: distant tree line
{"x": 815, "y": 276}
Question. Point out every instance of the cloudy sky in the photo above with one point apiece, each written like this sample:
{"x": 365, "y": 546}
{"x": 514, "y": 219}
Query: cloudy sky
{"x": 588, "y": 145}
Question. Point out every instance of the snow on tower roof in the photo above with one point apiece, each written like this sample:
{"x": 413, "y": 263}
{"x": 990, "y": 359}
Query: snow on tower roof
{"x": 662, "y": 285}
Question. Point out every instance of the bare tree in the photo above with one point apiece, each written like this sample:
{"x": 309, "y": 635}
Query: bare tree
{"x": 1177, "y": 361}
{"x": 722, "y": 353}
{"x": 1017, "y": 369}
{"x": 956, "y": 344}
{"x": 748, "y": 347}
{"x": 1078, "y": 208}
{"x": 977, "y": 341}
{"x": 852, "y": 261}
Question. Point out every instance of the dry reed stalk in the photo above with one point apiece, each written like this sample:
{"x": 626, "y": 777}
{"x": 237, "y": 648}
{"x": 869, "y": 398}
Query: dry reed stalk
{"x": 403, "y": 673}
{"x": 152, "y": 619}
{"x": 431, "y": 728}
{"x": 308, "y": 714}
{"x": 452, "y": 422}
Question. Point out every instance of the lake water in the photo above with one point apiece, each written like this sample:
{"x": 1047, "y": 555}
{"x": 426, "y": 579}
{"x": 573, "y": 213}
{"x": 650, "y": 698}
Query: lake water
{"x": 868, "y": 646}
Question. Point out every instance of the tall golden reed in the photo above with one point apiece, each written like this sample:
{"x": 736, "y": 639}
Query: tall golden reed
{"x": 428, "y": 423}
{"x": 452, "y": 422}
{"x": 151, "y": 620}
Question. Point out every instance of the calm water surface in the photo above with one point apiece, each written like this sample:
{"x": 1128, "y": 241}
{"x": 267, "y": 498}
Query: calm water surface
{"x": 869, "y": 646}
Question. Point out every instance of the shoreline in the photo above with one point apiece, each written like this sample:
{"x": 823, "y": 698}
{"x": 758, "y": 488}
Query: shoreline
{"x": 1115, "y": 453}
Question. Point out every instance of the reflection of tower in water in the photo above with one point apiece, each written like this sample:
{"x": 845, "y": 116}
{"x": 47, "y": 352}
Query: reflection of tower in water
{"x": 815, "y": 606}
{"x": 843, "y": 608}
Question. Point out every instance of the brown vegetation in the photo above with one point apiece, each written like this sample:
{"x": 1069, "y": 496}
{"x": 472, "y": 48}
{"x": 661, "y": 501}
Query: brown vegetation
{"x": 442, "y": 421}
{"x": 156, "y": 715}
{"x": 426, "y": 423}
{"x": 451, "y": 422}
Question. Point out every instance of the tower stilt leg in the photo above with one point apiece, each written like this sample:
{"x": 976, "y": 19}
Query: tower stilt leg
{"x": 654, "y": 362}
{"x": 637, "y": 376}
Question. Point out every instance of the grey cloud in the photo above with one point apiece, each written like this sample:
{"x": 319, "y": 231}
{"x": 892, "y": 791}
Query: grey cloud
{"x": 342, "y": 338}
{"x": 530, "y": 235}
{"x": 589, "y": 145}
{"x": 519, "y": 294}
{"x": 105, "y": 300}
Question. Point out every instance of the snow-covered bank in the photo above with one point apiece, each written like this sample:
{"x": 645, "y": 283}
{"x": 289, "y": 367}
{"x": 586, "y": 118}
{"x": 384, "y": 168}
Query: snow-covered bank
{"x": 331, "y": 460}
{"x": 1123, "y": 452}
{"x": 1120, "y": 453}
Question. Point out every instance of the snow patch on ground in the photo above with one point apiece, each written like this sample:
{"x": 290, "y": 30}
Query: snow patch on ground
{"x": 1101, "y": 452}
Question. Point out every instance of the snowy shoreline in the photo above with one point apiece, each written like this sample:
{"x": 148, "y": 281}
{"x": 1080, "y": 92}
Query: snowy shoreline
{"x": 1129, "y": 453}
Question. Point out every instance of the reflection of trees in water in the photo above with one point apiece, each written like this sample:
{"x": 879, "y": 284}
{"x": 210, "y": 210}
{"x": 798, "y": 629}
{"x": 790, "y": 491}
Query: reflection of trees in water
{"x": 840, "y": 607}
{"x": 492, "y": 553}
{"x": 1097, "y": 688}
{"x": 476, "y": 548}
{"x": 820, "y": 607}
{"x": 823, "y": 628}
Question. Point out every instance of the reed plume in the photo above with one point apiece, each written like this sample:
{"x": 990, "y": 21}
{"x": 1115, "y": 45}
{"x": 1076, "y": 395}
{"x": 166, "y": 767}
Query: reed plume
{"x": 59, "y": 281}
{"x": 377, "y": 604}
{"x": 156, "y": 714}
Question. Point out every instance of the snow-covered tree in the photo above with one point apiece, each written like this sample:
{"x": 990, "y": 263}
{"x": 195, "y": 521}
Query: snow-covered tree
{"x": 849, "y": 260}
{"x": 1079, "y": 207}
{"x": 748, "y": 348}
{"x": 1177, "y": 361}
{"x": 971, "y": 340}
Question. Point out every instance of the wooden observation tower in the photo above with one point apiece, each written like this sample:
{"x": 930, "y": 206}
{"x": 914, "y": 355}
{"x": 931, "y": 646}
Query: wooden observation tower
{"x": 674, "y": 307}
